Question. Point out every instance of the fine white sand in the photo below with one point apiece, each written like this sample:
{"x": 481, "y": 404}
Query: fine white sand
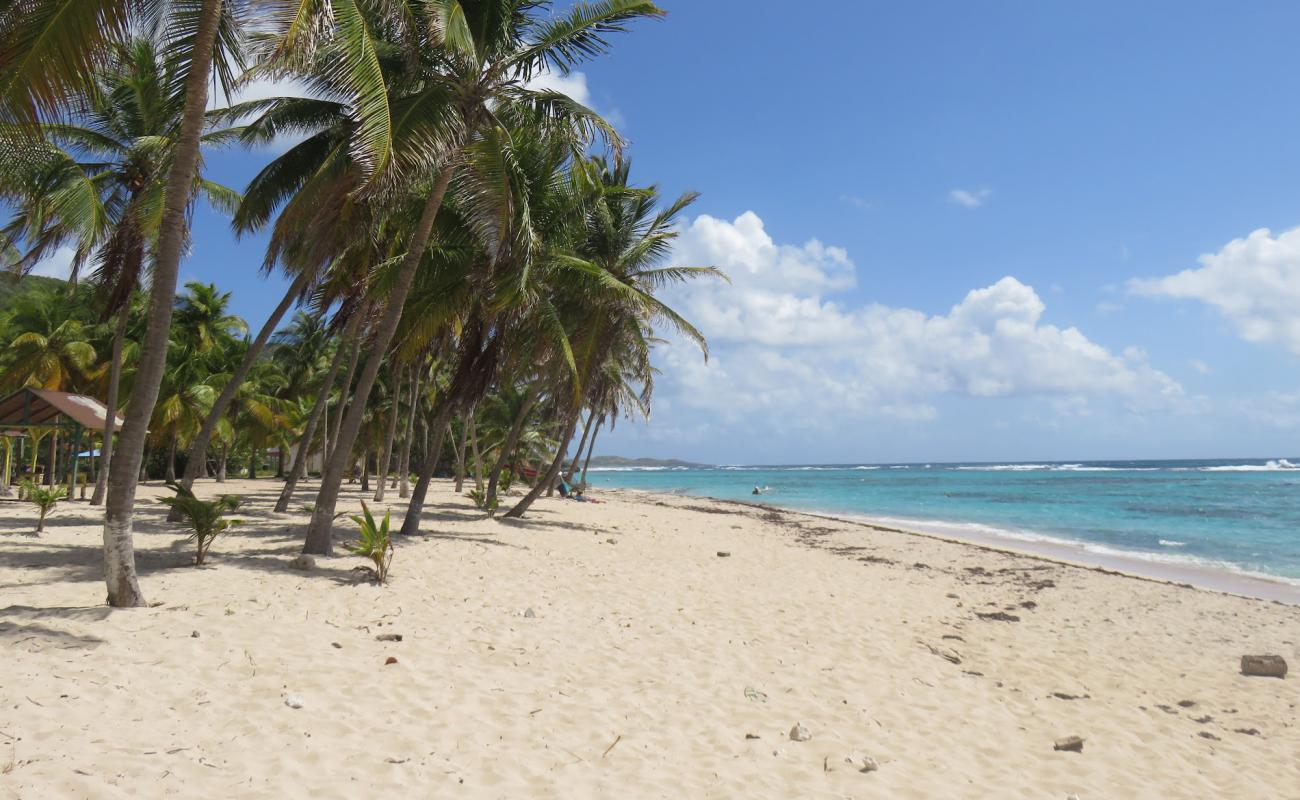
{"x": 650, "y": 666}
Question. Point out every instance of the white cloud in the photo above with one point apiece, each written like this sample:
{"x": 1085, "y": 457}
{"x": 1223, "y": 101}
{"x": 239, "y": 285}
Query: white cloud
{"x": 1200, "y": 366}
{"x": 574, "y": 85}
{"x": 969, "y": 198}
{"x": 781, "y": 344}
{"x": 1254, "y": 282}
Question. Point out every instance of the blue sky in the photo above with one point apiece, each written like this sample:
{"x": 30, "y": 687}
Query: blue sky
{"x": 954, "y": 228}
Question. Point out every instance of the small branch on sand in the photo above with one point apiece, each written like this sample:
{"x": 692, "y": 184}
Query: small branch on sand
{"x": 617, "y": 739}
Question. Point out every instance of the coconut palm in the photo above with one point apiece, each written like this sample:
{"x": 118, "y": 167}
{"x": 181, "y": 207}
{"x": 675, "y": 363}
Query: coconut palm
{"x": 472, "y": 62}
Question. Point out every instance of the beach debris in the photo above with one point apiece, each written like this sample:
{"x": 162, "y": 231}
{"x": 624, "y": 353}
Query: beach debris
{"x": 530, "y": 614}
{"x": 724, "y": 554}
{"x": 293, "y": 701}
{"x": 389, "y": 637}
{"x": 1072, "y": 797}
{"x": 1070, "y": 744}
{"x": 1208, "y": 735}
{"x": 1066, "y": 696}
{"x": 947, "y": 655}
{"x": 617, "y": 739}
{"x": 390, "y": 660}
{"x": 1186, "y": 703}
{"x": 861, "y": 762}
{"x": 997, "y": 616}
{"x": 1247, "y": 731}
{"x": 336, "y": 645}
{"x": 752, "y": 736}
{"x": 1268, "y": 666}
{"x": 194, "y": 634}
{"x": 303, "y": 562}
{"x": 611, "y": 541}
{"x": 799, "y": 733}
{"x": 754, "y": 694}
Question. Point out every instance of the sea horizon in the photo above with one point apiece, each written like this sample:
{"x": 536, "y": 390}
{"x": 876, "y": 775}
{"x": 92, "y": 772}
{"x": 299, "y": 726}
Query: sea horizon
{"x": 1224, "y": 523}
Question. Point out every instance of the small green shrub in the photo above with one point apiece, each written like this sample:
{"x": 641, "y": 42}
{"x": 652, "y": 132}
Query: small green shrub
{"x": 45, "y": 499}
{"x": 479, "y": 496}
{"x": 376, "y": 542}
{"x": 206, "y": 518}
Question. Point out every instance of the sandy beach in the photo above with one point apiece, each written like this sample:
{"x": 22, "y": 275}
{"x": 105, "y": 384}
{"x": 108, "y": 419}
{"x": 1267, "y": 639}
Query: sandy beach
{"x": 612, "y": 650}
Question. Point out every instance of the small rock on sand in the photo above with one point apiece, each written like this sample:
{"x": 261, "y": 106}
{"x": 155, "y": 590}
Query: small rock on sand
{"x": 799, "y": 733}
{"x": 862, "y": 763}
{"x": 194, "y": 634}
{"x": 293, "y": 701}
{"x": 1264, "y": 666}
{"x": 530, "y": 614}
{"x": 1071, "y": 744}
{"x": 336, "y": 645}
{"x": 303, "y": 562}
{"x": 724, "y": 554}
{"x": 389, "y": 637}
{"x": 390, "y": 660}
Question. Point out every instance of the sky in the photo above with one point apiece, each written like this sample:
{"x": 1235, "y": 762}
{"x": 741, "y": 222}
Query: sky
{"x": 994, "y": 231}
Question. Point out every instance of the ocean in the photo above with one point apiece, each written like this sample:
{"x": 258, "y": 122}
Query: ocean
{"x": 1236, "y": 515}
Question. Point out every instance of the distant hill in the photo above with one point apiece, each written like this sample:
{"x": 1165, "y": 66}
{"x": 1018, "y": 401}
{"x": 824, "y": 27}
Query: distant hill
{"x": 12, "y": 286}
{"x": 605, "y": 462}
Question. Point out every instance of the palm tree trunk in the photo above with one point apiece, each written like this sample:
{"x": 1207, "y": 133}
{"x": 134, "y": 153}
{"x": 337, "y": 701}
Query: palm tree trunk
{"x": 582, "y": 444}
{"x": 411, "y": 522}
{"x": 404, "y": 469}
{"x": 319, "y": 539}
{"x": 346, "y": 392}
{"x": 508, "y": 446}
{"x": 478, "y": 458}
{"x": 365, "y": 471}
{"x": 119, "y": 549}
{"x": 110, "y": 418}
{"x": 386, "y": 458}
{"x": 590, "y": 448}
{"x": 562, "y": 449}
{"x": 279, "y": 462}
{"x": 460, "y": 455}
{"x": 221, "y": 464}
{"x": 170, "y": 475}
{"x": 319, "y": 411}
{"x": 198, "y": 452}
{"x": 252, "y": 464}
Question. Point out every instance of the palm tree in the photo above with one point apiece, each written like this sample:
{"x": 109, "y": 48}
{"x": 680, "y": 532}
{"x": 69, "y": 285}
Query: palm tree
{"x": 473, "y": 60}
{"x": 625, "y": 242}
{"x": 51, "y": 348}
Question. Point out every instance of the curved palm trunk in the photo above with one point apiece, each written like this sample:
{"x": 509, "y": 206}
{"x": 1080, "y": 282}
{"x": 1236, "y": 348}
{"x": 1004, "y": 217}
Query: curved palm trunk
{"x": 119, "y": 549}
{"x": 404, "y": 469}
{"x": 478, "y": 457}
{"x": 319, "y": 539}
{"x": 508, "y": 446}
{"x": 299, "y": 468}
{"x": 582, "y": 444}
{"x": 411, "y": 522}
{"x": 386, "y": 455}
{"x": 110, "y": 418}
{"x": 365, "y": 471}
{"x": 539, "y": 487}
{"x": 170, "y": 474}
{"x": 343, "y": 395}
{"x": 591, "y": 448}
{"x": 198, "y": 452}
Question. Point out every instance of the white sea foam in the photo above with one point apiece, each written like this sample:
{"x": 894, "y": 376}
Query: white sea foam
{"x": 1277, "y": 465}
{"x": 1171, "y": 543}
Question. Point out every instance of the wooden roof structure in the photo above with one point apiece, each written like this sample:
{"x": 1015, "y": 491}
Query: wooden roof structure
{"x": 30, "y": 408}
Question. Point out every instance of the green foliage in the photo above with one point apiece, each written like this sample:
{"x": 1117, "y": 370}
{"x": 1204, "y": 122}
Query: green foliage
{"x": 480, "y": 498}
{"x": 44, "y": 499}
{"x": 376, "y": 542}
{"x": 206, "y": 518}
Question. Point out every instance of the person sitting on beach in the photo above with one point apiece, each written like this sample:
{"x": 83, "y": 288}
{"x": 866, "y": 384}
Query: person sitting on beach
{"x": 564, "y": 488}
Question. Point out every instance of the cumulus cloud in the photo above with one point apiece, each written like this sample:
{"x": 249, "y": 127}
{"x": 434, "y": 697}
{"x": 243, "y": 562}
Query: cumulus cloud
{"x": 574, "y": 85}
{"x": 1253, "y": 282}
{"x": 969, "y": 198}
{"x": 782, "y": 341}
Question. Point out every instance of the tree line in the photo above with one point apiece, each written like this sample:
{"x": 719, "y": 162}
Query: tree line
{"x": 477, "y": 276}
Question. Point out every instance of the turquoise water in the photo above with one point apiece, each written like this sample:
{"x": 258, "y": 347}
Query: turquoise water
{"x": 1238, "y": 515}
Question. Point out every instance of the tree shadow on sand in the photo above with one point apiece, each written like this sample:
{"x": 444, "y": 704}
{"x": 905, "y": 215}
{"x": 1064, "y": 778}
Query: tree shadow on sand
{"x": 21, "y": 624}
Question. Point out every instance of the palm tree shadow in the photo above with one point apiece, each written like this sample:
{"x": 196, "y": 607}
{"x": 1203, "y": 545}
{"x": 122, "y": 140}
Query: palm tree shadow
{"x": 19, "y": 624}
